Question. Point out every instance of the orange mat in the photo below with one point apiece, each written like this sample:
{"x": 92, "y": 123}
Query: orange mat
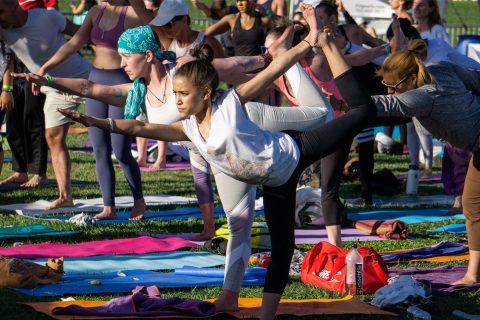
{"x": 249, "y": 308}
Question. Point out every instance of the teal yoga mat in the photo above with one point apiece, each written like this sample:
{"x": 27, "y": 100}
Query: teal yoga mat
{"x": 151, "y": 261}
{"x": 33, "y": 230}
{"x": 126, "y": 281}
{"x": 456, "y": 228}
{"x": 409, "y": 216}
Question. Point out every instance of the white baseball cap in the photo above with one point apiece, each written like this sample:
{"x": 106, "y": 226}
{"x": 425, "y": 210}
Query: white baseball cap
{"x": 168, "y": 10}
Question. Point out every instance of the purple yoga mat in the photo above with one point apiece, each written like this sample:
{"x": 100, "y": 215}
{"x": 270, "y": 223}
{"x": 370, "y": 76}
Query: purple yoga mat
{"x": 314, "y": 236}
{"x": 439, "y": 279}
{"x": 170, "y": 166}
{"x": 139, "y": 245}
{"x": 434, "y": 178}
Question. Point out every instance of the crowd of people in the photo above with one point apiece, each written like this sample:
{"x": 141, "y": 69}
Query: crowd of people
{"x": 154, "y": 77}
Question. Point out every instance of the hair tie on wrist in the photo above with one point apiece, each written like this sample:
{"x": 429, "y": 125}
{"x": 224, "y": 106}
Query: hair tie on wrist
{"x": 308, "y": 43}
{"x": 7, "y": 88}
{"x": 49, "y": 79}
{"x": 387, "y": 48}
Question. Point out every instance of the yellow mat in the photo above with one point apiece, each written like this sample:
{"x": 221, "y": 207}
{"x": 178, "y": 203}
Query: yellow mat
{"x": 249, "y": 308}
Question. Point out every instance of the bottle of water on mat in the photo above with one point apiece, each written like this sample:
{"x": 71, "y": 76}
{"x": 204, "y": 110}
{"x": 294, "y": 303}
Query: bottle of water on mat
{"x": 354, "y": 274}
{"x": 415, "y": 313}
{"x": 413, "y": 179}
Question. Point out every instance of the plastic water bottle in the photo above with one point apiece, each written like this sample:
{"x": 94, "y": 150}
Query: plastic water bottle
{"x": 415, "y": 313}
{"x": 354, "y": 274}
{"x": 412, "y": 180}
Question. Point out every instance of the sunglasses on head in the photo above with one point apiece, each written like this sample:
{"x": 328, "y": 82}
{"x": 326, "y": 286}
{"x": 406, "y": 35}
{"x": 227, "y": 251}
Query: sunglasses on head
{"x": 171, "y": 22}
{"x": 394, "y": 87}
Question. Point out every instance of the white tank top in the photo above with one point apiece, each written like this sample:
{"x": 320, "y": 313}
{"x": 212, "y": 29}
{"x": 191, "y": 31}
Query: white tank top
{"x": 180, "y": 52}
{"x": 168, "y": 113}
{"x": 237, "y": 147}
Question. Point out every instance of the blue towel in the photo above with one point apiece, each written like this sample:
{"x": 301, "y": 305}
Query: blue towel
{"x": 114, "y": 282}
{"x": 456, "y": 228}
{"x": 444, "y": 248}
{"x": 152, "y": 261}
{"x": 166, "y": 215}
{"x": 33, "y": 230}
{"x": 409, "y": 216}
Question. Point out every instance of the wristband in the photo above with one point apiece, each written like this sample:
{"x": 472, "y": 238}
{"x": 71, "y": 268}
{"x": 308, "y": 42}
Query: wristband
{"x": 111, "y": 124}
{"x": 49, "y": 79}
{"x": 7, "y": 88}
{"x": 387, "y": 48}
{"x": 348, "y": 46}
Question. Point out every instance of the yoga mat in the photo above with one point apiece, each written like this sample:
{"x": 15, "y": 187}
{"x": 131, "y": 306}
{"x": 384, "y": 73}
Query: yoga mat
{"x": 314, "y": 236}
{"x": 439, "y": 279}
{"x": 33, "y": 230}
{"x": 150, "y": 261}
{"x": 112, "y": 282}
{"x": 456, "y": 228}
{"x": 443, "y": 248}
{"x": 92, "y": 205}
{"x": 139, "y": 245}
{"x": 410, "y": 201}
{"x": 409, "y": 216}
{"x": 166, "y": 215}
{"x": 249, "y": 308}
{"x": 434, "y": 178}
{"x": 170, "y": 166}
{"x": 50, "y": 183}
{"x": 77, "y": 130}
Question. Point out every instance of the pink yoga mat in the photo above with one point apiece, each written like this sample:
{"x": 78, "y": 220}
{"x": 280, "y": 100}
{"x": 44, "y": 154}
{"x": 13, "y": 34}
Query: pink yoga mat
{"x": 139, "y": 245}
{"x": 170, "y": 166}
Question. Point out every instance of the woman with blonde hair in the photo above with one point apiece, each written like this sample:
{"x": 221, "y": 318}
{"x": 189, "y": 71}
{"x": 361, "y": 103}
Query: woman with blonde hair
{"x": 441, "y": 99}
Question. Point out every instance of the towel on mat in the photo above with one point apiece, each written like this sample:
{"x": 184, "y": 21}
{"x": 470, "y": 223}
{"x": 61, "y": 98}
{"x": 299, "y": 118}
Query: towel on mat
{"x": 139, "y": 245}
{"x": 439, "y": 279}
{"x": 440, "y": 249}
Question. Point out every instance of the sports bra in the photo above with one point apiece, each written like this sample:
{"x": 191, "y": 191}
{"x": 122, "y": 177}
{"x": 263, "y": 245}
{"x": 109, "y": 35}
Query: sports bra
{"x": 108, "y": 38}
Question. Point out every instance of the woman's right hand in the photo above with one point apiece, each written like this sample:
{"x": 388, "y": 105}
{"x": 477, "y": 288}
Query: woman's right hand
{"x": 76, "y": 116}
{"x": 31, "y": 77}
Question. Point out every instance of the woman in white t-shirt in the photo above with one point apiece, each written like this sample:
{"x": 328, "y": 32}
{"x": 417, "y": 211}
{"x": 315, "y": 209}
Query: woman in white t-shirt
{"x": 238, "y": 148}
{"x": 428, "y": 21}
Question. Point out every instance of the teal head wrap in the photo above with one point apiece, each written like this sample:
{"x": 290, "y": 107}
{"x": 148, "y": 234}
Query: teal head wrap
{"x": 139, "y": 40}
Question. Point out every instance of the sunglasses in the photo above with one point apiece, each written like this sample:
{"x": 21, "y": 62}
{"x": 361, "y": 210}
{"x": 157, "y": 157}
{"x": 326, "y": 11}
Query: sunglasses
{"x": 171, "y": 22}
{"x": 394, "y": 87}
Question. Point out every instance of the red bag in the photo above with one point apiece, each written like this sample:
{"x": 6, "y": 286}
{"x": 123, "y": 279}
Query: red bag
{"x": 324, "y": 267}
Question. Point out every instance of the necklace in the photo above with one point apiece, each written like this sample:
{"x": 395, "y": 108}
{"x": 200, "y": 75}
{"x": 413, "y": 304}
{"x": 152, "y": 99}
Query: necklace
{"x": 164, "y": 91}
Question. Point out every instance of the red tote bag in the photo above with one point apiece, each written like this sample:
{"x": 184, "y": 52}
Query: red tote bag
{"x": 324, "y": 267}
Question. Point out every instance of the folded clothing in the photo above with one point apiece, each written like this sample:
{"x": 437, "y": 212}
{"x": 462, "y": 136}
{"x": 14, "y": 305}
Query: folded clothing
{"x": 388, "y": 229}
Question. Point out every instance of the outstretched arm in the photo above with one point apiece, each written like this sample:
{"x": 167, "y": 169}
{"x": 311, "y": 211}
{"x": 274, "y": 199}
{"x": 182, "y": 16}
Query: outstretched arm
{"x": 221, "y": 26}
{"x": 114, "y": 95}
{"x": 171, "y": 132}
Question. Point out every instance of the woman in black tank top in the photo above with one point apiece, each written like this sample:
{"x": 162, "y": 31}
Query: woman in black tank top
{"x": 247, "y": 27}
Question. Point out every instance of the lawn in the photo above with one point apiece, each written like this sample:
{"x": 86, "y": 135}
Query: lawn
{"x": 180, "y": 183}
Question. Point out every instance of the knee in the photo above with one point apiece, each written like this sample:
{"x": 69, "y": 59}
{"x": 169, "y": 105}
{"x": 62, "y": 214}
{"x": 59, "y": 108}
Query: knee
{"x": 56, "y": 139}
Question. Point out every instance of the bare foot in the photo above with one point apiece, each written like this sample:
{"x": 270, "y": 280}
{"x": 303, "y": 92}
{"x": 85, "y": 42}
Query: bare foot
{"x": 16, "y": 178}
{"x": 142, "y": 162}
{"x": 108, "y": 213}
{"x": 426, "y": 174}
{"x": 205, "y": 235}
{"x": 467, "y": 280}
{"x": 453, "y": 211}
{"x": 60, "y": 203}
{"x": 227, "y": 302}
{"x": 138, "y": 209}
{"x": 37, "y": 180}
{"x": 159, "y": 165}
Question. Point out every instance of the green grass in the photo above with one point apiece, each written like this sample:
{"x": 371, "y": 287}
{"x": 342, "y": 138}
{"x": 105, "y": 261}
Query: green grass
{"x": 180, "y": 182}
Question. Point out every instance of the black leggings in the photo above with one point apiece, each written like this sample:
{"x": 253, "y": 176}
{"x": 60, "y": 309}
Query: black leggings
{"x": 279, "y": 202}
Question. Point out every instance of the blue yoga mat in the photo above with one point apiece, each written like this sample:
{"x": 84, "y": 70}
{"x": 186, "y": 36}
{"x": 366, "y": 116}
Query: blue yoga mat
{"x": 456, "y": 228}
{"x": 152, "y": 261}
{"x": 409, "y": 216}
{"x": 114, "y": 282}
{"x": 33, "y": 230}
{"x": 166, "y": 215}
{"x": 444, "y": 248}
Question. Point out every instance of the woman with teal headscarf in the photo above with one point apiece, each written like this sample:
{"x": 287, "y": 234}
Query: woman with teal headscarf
{"x": 142, "y": 60}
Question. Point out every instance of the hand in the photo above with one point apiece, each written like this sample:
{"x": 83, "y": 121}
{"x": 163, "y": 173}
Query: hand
{"x": 35, "y": 79}
{"x": 35, "y": 88}
{"x": 76, "y": 116}
{"x": 399, "y": 42}
{"x": 6, "y": 101}
{"x": 309, "y": 15}
{"x": 339, "y": 4}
